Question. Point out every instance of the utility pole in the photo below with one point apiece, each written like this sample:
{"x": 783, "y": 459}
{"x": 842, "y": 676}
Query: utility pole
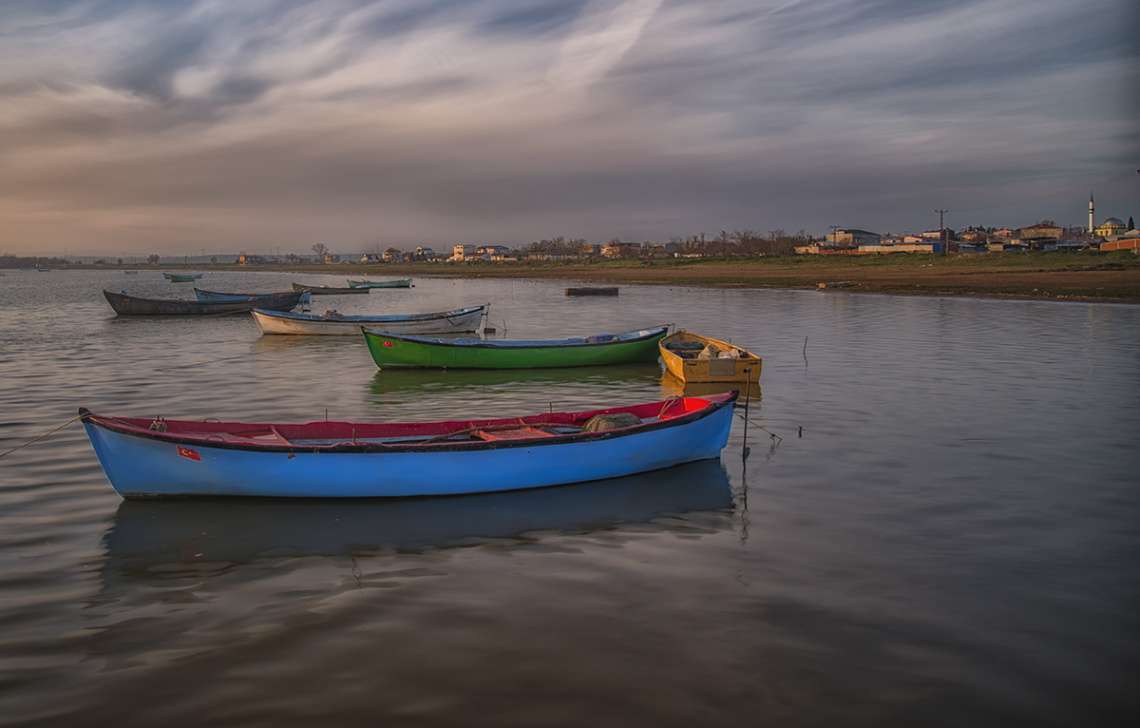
{"x": 942, "y": 231}
{"x": 834, "y": 228}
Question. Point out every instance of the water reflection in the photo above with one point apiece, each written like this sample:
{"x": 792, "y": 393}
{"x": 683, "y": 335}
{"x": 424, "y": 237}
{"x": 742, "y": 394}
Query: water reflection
{"x": 387, "y": 381}
{"x": 263, "y": 344}
{"x": 674, "y": 387}
{"x": 156, "y": 540}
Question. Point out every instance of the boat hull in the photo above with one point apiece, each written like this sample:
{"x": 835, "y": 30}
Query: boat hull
{"x": 394, "y": 350}
{"x": 445, "y": 322}
{"x": 141, "y": 463}
{"x": 329, "y": 290}
{"x": 592, "y": 291}
{"x": 219, "y": 296}
{"x": 125, "y": 305}
{"x": 402, "y": 283}
{"x": 687, "y": 356}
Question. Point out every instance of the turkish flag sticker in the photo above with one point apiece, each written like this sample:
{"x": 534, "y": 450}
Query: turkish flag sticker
{"x": 188, "y": 453}
{"x": 388, "y": 344}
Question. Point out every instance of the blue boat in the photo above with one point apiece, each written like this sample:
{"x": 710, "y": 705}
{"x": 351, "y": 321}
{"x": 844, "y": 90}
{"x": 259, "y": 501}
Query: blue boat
{"x": 181, "y": 277}
{"x": 306, "y": 296}
{"x": 160, "y": 458}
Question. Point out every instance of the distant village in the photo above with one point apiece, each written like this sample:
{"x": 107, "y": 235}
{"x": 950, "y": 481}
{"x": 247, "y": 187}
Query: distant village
{"x": 1111, "y": 234}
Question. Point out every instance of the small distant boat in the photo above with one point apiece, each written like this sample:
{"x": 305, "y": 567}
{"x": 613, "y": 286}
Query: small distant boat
{"x": 182, "y": 277}
{"x": 328, "y": 290}
{"x": 160, "y": 458}
{"x": 402, "y": 283}
{"x": 694, "y": 358}
{"x": 130, "y": 272}
{"x": 306, "y": 295}
{"x": 592, "y": 291}
{"x": 397, "y": 350}
{"x": 125, "y": 305}
{"x": 460, "y": 321}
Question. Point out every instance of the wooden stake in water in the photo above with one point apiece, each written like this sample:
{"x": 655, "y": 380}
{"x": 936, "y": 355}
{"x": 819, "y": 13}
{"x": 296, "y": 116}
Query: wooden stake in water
{"x": 747, "y": 395}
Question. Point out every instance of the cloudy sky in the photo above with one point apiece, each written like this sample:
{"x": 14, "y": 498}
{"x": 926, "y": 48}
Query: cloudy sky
{"x": 182, "y": 126}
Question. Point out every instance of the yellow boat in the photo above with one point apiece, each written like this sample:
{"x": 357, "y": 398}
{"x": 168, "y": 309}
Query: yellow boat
{"x": 694, "y": 358}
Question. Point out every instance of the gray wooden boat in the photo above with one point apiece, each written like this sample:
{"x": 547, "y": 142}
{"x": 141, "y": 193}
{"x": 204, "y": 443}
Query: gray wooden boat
{"x": 125, "y": 305}
{"x": 202, "y": 295}
{"x": 327, "y": 290}
{"x": 592, "y": 291}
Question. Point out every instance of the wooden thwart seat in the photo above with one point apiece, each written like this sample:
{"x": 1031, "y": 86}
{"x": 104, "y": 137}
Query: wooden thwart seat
{"x": 517, "y": 433}
{"x": 269, "y": 436}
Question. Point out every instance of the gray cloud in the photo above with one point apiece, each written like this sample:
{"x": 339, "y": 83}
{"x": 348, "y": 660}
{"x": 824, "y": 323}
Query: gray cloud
{"x": 159, "y": 126}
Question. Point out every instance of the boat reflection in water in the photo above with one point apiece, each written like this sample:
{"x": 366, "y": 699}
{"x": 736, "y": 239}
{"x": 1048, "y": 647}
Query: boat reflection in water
{"x": 387, "y": 381}
{"x": 671, "y": 386}
{"x": 156, "y": 540}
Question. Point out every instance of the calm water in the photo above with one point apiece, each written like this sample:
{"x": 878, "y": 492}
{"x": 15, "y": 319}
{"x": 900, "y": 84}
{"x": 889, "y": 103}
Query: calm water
{"x": 937, "y": 523}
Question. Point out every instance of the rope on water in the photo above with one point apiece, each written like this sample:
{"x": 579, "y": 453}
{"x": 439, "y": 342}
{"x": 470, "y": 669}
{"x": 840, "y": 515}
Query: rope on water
{"x": 36, "y": 439}
{"x": 199, "y": 363}
{"x": 773, "y": 435}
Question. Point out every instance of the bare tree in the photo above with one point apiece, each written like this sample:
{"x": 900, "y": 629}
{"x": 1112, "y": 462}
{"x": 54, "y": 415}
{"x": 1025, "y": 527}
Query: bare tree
{"x": 748, "y": 242}
{"x": 779, "y": 242}
{"x": 723, "y": 239}
{"x": 321, "y": 250}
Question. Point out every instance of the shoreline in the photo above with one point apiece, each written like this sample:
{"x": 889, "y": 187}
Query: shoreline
{"x": 1099, "y": 286}
{"x": 1088, "y": 276}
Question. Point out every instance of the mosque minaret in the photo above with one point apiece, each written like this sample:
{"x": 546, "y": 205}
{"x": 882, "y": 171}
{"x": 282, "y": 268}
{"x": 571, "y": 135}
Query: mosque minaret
{"x": 1092, "y": 225}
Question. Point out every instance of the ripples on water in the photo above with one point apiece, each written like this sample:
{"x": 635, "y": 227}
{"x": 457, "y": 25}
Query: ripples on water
{"x": 936, "y": 524}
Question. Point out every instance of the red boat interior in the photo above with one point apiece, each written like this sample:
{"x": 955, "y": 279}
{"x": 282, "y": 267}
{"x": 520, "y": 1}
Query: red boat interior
{"x": 327, "y": 433}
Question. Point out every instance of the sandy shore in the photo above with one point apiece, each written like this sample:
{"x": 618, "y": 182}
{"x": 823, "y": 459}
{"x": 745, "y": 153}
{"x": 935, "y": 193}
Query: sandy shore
{"x": 1111, "y": 277}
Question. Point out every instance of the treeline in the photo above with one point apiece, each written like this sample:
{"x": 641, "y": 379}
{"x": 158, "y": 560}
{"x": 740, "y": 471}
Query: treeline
{"x": 744, "y": 242}
{"x": 559, "y": 246}
{"x": 13, "y": 261}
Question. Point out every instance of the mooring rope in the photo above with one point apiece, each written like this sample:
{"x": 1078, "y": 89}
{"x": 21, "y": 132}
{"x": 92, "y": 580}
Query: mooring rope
{"x": 748, "y": 420}
{"x": 200, "y": 363}
{"x": 35, "y": 439}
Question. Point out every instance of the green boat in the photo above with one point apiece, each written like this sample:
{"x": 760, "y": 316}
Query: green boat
{"x": 393, "y": 350}
{"x": 402, "y": 283}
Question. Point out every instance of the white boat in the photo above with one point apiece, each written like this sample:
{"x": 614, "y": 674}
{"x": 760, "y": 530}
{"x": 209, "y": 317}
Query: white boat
{"x": 331, "y": 323}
